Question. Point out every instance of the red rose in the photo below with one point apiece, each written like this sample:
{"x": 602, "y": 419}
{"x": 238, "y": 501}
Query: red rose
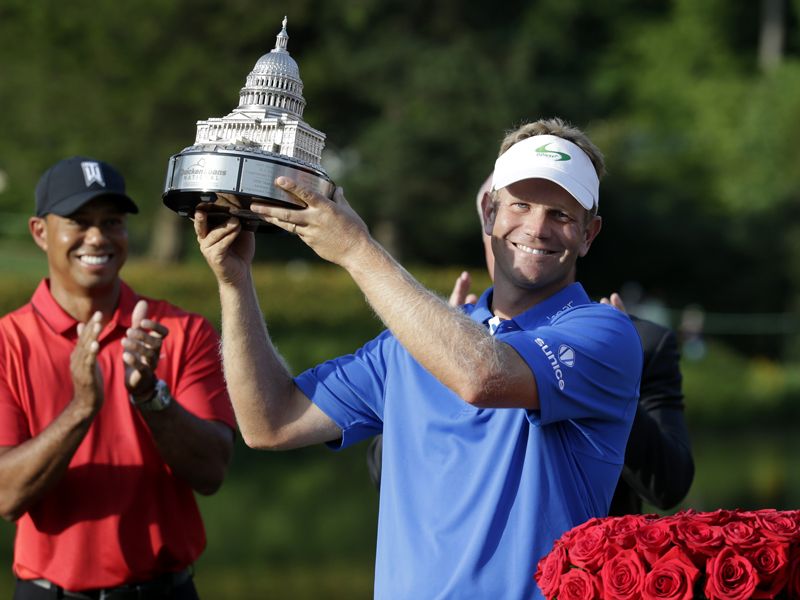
{"x": 701, "y": 540}
{"x": 588, "y": 549}
{"x": 782, "y": 526}
{"x": 672, "y": 577}
{"x": 622, "y": 530}
{"x": 717, "y": 517}
{"x": 654, "y": 539}
{"x": 730, "y": 576}
{"x": 576, "y": 531}
{"x": 722, "y": 516}
{"x": 577, "y": 584}
{"x": 772, "y": 565}
{"x": 548, "y": 573}
{"x": 622, "y": 577}
{"x": 741, "y": 534}
{"x": 793, "y": 585}
{"x": 748, "y": 515}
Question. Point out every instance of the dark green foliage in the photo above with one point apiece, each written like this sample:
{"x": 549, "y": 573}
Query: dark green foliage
{"x": 415, "y": 97}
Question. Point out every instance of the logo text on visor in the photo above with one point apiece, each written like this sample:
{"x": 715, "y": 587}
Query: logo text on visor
{"x": 554, "y": 154}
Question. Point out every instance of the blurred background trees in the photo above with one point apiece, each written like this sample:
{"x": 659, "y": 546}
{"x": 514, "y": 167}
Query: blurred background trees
{"x": 695, "y": 104}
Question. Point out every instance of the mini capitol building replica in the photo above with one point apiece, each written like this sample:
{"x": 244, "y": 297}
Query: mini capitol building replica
{"x": 236, "y": 159}
{"x": 270, "y": 111}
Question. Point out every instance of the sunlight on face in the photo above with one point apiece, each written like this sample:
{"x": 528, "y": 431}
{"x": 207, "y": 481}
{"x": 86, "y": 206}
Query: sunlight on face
{"x": 538, "y": 232}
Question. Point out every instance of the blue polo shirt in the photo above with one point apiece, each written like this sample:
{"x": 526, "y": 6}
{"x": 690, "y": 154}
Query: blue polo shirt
{"x": 471, "y": 498}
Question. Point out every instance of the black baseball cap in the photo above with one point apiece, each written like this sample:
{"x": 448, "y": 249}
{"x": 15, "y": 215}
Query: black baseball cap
{"x": 72, "y": 182}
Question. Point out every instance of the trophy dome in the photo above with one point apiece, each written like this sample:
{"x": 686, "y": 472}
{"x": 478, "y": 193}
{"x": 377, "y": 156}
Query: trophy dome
{"x": 277, "y": 61}
{"x": 274, "y": 83}
{"x": 270, "y": 111}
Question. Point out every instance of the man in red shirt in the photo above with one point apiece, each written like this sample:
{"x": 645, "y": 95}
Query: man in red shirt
{"x": 113, "y": 410}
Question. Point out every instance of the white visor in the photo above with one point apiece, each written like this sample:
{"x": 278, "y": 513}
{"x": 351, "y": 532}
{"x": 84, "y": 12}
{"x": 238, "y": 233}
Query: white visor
{"x": 553, "y": 158}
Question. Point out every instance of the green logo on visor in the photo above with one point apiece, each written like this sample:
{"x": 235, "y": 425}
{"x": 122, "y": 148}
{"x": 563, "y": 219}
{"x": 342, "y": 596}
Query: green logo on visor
{"x": 554, "y": 154}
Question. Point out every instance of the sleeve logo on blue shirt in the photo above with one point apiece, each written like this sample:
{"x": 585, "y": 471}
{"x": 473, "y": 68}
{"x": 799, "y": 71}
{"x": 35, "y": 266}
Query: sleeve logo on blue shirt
{"x": 565, "y": 354}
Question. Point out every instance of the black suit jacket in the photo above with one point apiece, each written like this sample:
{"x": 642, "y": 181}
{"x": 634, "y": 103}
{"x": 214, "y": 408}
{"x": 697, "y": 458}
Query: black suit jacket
{"x": 658, "y": 459}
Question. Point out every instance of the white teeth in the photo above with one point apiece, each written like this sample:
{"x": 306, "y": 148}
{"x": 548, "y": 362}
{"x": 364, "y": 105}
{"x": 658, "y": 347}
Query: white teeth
{"x": 530, "y": 250}
{"x": 95, "y": 260}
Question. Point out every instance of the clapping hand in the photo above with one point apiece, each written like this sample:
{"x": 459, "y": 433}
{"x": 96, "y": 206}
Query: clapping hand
{"x": 142, "y": 344}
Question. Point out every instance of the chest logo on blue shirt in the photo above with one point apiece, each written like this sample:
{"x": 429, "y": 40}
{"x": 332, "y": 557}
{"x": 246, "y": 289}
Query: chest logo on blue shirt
{"x": 566, "y": 356}
{"x": 561, "y": 310}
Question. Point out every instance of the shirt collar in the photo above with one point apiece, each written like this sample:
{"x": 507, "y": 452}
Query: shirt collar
{"x": 63, "y": 323}
{"x": 541, "y": 314}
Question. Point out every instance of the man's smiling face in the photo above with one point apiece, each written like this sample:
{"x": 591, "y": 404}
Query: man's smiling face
{"x": 86, "y": 250}
{"x": 538, "y": 232}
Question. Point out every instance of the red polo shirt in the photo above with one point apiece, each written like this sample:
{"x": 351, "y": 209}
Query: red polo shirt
{"x": 118, "y": 514}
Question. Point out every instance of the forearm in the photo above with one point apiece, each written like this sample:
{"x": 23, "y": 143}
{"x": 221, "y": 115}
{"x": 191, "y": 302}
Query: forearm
{"x": 454, "y": 348}
{"x": 458, "y": 352}
{"x": 259, "y": 384}
{"x": 197, "y": 451}
{"x": 28, "y": 470}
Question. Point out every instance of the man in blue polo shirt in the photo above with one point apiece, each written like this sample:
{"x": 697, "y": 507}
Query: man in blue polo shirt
{"x": 503, "y": 426}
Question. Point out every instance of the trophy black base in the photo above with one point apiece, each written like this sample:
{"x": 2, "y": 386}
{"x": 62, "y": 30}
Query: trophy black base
{"x": 224, "y": 180}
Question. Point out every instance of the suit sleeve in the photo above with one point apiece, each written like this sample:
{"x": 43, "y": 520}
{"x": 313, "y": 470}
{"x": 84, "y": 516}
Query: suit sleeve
{"x": 658, "y": 459}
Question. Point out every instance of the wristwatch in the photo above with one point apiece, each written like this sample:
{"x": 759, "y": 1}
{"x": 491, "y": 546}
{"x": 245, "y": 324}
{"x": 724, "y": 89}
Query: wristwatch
{"x": 161, "y": 398}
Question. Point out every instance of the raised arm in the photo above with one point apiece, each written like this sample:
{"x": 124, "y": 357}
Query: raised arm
{"x": 28, "y": 470}
{"x": 271, "y": 411}
{"x": 458, "y": 351}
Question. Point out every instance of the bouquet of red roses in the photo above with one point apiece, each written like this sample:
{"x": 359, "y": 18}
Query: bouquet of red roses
{"x": 721, "y": 555}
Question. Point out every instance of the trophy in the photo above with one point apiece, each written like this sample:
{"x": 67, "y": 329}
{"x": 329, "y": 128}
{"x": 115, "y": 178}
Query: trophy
{"x": 236, "y": 158}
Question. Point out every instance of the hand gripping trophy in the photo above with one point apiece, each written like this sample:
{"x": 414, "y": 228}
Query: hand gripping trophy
{"x": 236, "y": 158}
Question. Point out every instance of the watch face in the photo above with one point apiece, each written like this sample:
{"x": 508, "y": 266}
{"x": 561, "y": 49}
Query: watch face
{"x": 160, "y": 400}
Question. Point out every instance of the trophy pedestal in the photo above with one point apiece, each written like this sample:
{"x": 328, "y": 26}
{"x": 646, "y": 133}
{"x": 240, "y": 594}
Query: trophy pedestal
{"x": 223, "y": 180}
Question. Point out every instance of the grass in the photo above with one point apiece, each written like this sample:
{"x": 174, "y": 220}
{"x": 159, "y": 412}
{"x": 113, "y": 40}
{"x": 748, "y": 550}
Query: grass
{"x": 331, "y": 580}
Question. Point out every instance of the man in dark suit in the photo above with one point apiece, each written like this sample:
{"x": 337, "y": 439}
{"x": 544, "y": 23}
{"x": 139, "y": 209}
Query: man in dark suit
{"x": 659, "y": 467}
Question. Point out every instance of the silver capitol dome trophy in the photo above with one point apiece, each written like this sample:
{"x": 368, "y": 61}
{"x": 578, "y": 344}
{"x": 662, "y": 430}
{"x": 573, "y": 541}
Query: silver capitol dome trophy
{"x": 236, "y": 158}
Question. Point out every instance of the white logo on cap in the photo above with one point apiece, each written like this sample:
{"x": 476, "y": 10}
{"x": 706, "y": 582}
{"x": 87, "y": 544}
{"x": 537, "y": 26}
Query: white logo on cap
{"x": 92, "y": 173}
{"x": 554, "y": 154}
